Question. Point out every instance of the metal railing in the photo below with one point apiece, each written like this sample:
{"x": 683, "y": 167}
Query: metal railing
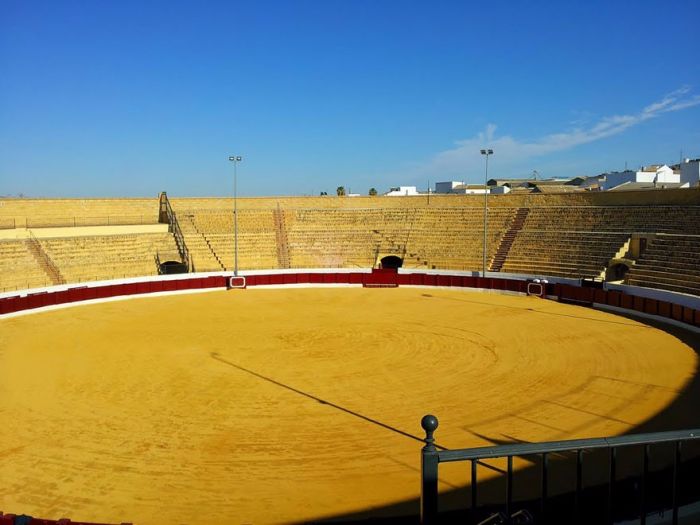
{"x": 51, "y": 266}
{"x": 433, "y": 454}
{"x": 174, "y": 227}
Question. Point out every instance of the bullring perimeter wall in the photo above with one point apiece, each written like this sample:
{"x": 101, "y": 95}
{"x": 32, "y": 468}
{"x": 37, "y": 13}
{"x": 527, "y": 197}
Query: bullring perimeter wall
{"x": 685, "y": 310}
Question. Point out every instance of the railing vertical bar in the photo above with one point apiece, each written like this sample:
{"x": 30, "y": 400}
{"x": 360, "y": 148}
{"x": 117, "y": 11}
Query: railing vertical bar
{"x": 676, "y": 466}
{"x": 473, "y": 483}
{"x": 611, "y": 484}
{"x": 643, "y": 490}
{"x": 545, "y": 474}
{"x": 579, "y": 485}
{"x": 509, "y": 486}
{"x": 429, "y": 473}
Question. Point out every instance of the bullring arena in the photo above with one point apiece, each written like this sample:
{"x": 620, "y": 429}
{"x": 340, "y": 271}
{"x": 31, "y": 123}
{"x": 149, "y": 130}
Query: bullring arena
{"x": 127, "y": 397}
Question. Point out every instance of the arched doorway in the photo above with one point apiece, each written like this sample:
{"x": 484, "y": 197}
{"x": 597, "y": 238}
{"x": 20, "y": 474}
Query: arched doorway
{"x": 170, "y": 267}
{"x": 617, "y": 272}
{"x": 391, "y": 261}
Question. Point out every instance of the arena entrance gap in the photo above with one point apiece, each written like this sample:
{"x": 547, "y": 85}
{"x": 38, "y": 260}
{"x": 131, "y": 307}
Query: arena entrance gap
{"x": 172, "y": 267}
{"x": 617, "y": 272}
{"x": 391, "y": 262}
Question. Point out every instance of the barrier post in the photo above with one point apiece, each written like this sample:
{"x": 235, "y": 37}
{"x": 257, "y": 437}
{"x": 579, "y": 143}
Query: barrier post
{"x": 429, "y": 473}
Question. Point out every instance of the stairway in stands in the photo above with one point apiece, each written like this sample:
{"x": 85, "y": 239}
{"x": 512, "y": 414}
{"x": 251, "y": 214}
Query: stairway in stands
{"x": 281, "y": 238}
{"x": 507, "y": 240}
{"x": 204, "y": 259}
{"x": 44, "y": 261}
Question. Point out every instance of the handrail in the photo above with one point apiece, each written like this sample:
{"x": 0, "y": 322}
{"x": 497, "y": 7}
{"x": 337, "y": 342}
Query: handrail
{"x": 174, "y": 228}
{"x": 433, "y": 454}
{"x": 45, "y": 256}
{"x": 570, "y": 445}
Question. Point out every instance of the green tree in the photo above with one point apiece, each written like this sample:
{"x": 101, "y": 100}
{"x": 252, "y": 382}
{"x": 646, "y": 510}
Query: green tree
{"x": 340, "y": 191}
{"x": 372, "y": 191}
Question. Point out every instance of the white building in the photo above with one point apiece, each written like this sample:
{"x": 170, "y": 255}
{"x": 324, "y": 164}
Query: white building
{"x": 690, "y": 172}
{"x": 468, "y": 189}
{"x": 402, "y": 191}
{"x": 655, "y": 174}
{"x": 499, "y": 190}
{"x": 447, "y": 187}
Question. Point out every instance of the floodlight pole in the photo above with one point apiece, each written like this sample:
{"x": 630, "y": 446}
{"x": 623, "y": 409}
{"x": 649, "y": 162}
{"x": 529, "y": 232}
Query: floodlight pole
{"x": 235, "y": 159}
{"x": 486, "y": 152}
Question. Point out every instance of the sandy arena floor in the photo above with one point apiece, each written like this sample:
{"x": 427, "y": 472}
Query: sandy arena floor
{"x": 258, "y": 406}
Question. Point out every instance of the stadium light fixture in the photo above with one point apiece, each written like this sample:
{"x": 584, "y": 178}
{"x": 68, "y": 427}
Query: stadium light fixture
{"x": 486, "y": 152}
{"x": 235, "y": 159}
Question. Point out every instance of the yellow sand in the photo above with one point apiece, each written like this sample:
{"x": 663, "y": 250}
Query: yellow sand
{"x": 141, "y": 410}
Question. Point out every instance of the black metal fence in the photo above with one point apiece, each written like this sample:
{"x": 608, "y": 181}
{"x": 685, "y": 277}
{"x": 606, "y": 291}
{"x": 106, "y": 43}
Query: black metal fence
{"x": 612, "y": 495}
{"x": 168, "y": 215}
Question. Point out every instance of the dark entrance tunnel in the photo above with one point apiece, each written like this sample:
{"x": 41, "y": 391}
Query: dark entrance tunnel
{"x": 617, "y": 272}
{"x": 171, "y": 267}
{"x": 391, "y": 261}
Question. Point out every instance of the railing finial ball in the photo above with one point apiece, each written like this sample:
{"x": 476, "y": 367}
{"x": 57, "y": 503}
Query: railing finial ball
{"x": 429, "y": 424}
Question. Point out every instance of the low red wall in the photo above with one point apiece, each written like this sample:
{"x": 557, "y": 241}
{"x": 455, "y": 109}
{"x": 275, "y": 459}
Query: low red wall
{"x": 9, "y": 519}
{"x": 564, "y": 292}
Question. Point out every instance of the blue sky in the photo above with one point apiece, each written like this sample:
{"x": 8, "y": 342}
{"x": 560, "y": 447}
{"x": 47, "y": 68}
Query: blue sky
{"x": 128, "y": 98}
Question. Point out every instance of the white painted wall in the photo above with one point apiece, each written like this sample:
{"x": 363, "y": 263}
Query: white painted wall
{"x": 447, "y": 187}
{"x": 663, "y": 175}
{"x": 402, "y": 191}
{"x": 690, "y": 172}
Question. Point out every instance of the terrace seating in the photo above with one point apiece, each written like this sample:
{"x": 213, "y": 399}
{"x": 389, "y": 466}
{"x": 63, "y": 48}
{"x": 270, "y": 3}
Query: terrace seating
{"x": 424, "y": 237}
{"x": 567, "y": 241}
{"x": 209, "y": 236}
{"x": 19, "y": 269}
{"x": 109, "y": 256}
{"x": 670, "y": 262}
{"x": 41, "y": 213}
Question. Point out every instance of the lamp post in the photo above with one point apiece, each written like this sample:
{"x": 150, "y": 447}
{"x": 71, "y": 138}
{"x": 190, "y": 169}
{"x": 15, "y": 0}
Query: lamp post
{"x": 486, "y": 152}
{"x": 235, "y": 159}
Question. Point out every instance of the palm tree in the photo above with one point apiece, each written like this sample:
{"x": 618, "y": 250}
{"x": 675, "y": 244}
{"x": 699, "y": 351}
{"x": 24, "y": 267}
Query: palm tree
{"x": 340, "y": 191}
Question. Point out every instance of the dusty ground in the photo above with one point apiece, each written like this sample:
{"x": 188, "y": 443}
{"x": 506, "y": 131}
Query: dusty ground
{"x": 257, "y": 406}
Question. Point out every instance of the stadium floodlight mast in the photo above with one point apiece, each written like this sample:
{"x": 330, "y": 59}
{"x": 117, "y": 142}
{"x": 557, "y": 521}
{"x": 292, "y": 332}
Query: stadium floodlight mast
{"x": 235, "y": 159}
{"x": 486, "y": 152}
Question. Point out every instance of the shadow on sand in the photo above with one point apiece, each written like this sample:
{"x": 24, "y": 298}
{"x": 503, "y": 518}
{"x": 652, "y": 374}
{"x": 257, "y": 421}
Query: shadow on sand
{"x": 683, "y": 413}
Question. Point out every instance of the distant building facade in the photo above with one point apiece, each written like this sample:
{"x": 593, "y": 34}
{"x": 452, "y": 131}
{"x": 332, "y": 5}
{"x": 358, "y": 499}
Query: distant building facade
{"x": 690, "y": 172}
{"x": 655, "y": 175}
{"x": 447, "y": 187}
{"x": 402, "y": 191}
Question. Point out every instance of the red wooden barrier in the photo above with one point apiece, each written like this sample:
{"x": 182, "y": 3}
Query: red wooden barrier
{"x": 376, "y": 277}
{"x": 355, "y": 278}
{"x": 651, "y": 306}
{"x": 627, "y": 301}
{"x": 416, "y": 279}
{"x": 600, "y": 296}
{"x": 276, "y": 278}
{"x": 443, "y": 280}
{"x": 677, "y": 312}
{"x": 664, "y": 309}
{"x": 688, "y": 315}
{"x": 614, "y": 297}
{"x": 638, "y": 303}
